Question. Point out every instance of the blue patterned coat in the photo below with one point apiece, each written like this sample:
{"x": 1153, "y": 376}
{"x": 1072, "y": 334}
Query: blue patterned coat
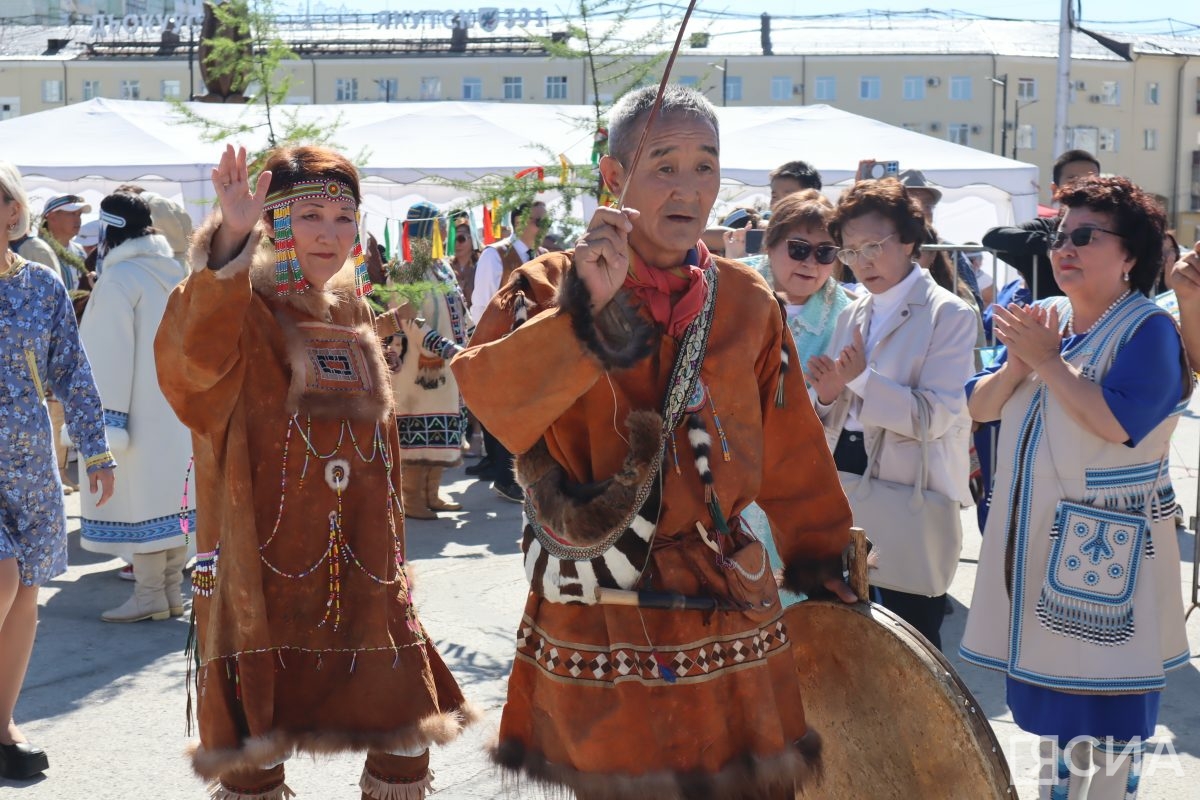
{"x": 39, "y": 353}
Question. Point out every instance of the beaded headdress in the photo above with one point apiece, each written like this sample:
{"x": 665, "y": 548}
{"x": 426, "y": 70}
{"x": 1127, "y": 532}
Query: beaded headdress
{"x": 288, "y": 277}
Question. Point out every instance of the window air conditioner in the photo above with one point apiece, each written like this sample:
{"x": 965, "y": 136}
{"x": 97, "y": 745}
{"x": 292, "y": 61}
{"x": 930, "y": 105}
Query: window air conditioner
{"x": 933, "y": 82}
{"x": 976, "y": 130}
{"x": 1094, "y": 98}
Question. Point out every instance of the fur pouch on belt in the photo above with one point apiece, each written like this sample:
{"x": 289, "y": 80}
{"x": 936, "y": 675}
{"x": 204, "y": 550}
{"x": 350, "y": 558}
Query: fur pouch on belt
{"x": 584, "y": 513}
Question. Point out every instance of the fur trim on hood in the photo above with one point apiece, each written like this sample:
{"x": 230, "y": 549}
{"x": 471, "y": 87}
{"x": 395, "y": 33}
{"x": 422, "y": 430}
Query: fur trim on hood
{"x": 153, "y": 254}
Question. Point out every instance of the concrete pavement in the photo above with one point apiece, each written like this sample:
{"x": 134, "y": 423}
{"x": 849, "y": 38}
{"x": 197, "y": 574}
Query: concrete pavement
{"x": 107, "y": 701}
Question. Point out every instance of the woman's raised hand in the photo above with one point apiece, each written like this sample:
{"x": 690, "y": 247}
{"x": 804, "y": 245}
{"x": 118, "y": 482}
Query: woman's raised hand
{"x": 240, "y": 208}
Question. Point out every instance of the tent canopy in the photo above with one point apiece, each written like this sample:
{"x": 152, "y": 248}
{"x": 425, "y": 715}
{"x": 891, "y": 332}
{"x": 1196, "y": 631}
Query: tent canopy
{"x": 410, "y": 149}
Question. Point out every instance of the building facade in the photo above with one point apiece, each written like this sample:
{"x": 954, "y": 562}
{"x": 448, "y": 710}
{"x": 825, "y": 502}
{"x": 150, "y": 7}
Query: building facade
{"x": 991, "y": 85}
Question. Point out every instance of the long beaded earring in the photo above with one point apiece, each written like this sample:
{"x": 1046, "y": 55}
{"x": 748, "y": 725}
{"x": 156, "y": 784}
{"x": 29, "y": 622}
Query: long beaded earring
{"x": 362, "y": 278}
{"x": 288, "y": 276}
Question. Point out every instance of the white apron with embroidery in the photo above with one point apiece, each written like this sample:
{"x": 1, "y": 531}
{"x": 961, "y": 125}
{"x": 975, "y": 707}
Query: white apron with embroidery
{"x": 1095, "y": 600}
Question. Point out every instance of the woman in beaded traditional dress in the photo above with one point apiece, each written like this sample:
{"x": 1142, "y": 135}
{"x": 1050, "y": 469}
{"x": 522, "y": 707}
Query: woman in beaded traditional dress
{"x": 801, "y": 255}
{"x": 429, "y": 409}
{"x": 308, "y": 641}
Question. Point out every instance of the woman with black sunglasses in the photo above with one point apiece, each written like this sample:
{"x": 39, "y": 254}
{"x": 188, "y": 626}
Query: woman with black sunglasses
{"x": 1077, "y": 594}
{"x": 801, "y": 255}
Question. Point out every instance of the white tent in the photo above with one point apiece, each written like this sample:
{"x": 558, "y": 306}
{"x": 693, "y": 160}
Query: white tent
{"x": 90, "y": 148}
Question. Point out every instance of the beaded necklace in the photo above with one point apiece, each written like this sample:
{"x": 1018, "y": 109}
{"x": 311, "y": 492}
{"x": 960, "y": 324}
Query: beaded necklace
{"x": 1099, "y": 319}
{"x": 337, "y": 553}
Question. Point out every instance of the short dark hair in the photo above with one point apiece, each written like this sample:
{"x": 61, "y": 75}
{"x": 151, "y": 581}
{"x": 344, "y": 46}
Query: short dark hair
{"x": 889, "y": 198}
{"x": 1139, "y": 220}
{"x": 515, "y": 216}
{"x": 627, "y": 115}
{"x": 134, "y": 210}
{"x": 1070, "y": 157}
{"x": 800, "y": 171}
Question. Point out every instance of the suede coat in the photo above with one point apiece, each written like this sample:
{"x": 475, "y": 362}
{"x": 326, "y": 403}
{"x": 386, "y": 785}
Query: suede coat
{"x": 307, "y": 637}
{"x": 617, "y": 702}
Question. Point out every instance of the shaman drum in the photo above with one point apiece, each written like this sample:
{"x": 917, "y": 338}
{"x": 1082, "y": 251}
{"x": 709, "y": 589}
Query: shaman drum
{"x": 896, "y": 721}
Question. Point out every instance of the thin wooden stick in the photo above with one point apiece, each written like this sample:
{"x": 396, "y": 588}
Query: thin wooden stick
{"x": 662, "y": 88}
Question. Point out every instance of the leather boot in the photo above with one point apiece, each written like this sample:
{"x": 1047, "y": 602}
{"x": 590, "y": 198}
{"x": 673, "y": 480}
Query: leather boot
{"x": 412, "y": 491}
{"x": 149, "y": 599}
{"x": 173, "y": 579}
{"x": 433, "y": 482}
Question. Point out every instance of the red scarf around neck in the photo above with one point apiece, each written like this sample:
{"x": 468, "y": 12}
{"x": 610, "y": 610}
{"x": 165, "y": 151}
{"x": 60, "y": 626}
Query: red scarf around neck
{"x": 654, "y": 288}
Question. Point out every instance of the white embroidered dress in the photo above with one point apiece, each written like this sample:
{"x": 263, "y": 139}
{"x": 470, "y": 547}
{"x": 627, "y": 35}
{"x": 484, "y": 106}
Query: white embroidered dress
{"x": 152, "y": 445}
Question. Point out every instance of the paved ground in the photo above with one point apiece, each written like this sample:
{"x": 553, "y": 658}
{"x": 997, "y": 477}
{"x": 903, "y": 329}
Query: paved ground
{"x": 107, "y": 701}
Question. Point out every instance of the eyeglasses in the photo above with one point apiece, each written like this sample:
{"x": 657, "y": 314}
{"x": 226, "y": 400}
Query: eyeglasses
{"x": 800, "y": 250}
{"x": 870, "y": 252}
{"x": 1080, "y": 237}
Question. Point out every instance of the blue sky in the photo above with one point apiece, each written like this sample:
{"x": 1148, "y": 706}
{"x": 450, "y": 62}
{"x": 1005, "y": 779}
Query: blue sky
{"x": 1145, "y": 15}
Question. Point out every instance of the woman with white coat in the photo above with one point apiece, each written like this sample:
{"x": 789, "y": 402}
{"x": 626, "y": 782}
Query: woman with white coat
{"x": 900, "y": 354}
{"x": 145, "y": 523}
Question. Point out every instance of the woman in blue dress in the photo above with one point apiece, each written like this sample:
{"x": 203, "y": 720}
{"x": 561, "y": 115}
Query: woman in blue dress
{"x": 39, "y": 353}
{"x": 1077, "y": 596}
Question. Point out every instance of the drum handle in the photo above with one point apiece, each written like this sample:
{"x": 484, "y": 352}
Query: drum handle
{"x": 860, "y": 584}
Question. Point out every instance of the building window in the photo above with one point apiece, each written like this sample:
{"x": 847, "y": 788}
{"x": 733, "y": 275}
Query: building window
{"x": 10, "y": 107}
{"x": 52, "y": 91}
{"x": 1109, "y": 140}
{"x": 556, "y": 87}
{"x": 688, "y": 80}
{"x": 1083, "y": 138}
{"x": 431, "y": 88}
{"x": 1027, "y": 88}
{"x": 1150, "y": 139}
{"x": 91, "y": 89}
{"x": 171, "y": 89}
{"x": 826, "y": 89}
{"x": 1198, "y": 95}
{"x": 1196, "y": 183}
{"x": 960, "y": 87}
{"x": 1152, "y": 93}
{"x": 914, "y": 87}
{"x": 1110, "y": 93}
{"x": 346, "y": 90}
{"x": 1026, "y": 137}
{"x": 781, "y": 89}
{"x": 514, "y": 88}
{"x": 389, "y": 89}
{"x": 959, "y": 132}
{"x": 733, "y": 88}
{"x": 131, "y": 90}
{"x": 472, "y": 89}
{"x": 869, "y": 88}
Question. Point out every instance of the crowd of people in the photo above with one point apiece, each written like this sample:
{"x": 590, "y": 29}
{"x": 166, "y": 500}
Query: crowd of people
{"x": 835, "y": 376}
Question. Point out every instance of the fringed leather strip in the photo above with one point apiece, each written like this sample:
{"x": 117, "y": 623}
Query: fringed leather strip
{"x": 619, "y": 337}
{"x": 218, "y": 791}
{"x": 785, "y": 359}
{"x": 381, "y": 788}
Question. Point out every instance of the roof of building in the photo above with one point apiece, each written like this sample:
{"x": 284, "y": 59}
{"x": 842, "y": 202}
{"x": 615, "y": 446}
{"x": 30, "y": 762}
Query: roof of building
{"x": 858, "y": 35}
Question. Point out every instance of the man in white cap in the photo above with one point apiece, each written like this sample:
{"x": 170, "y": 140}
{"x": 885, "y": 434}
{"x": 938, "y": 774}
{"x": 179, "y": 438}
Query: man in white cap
{"x": 61, "y": 220}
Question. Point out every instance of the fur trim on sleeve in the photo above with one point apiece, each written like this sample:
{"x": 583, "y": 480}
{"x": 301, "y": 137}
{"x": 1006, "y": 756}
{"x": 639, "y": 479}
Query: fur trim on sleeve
{"x": 618, "y": 337}
{"x": 201, "y": 247}
{"x": 808, "y": 576}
